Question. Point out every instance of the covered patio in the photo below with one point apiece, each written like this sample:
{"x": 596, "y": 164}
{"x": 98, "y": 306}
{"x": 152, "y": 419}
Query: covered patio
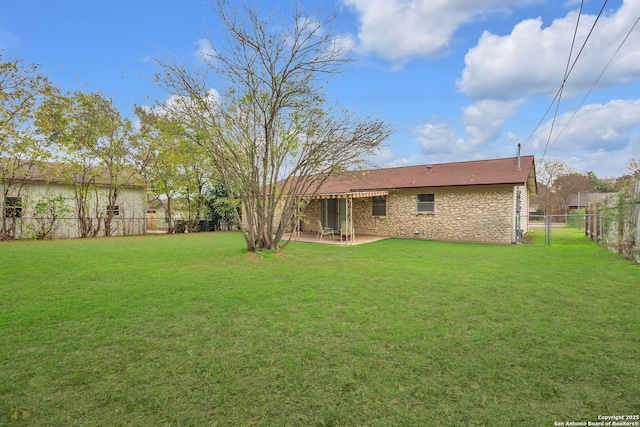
{"x": 336, "y": 214}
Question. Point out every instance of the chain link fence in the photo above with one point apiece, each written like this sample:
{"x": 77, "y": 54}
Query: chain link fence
{"x": 552, "y": 226}
{"x": 14, "y": 228}
{"x": 576, "y": 221}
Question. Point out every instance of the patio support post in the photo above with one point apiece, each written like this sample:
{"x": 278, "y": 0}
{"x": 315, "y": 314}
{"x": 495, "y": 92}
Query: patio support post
{"x": 349, "y": 220}
{"x": 296, "y": 230}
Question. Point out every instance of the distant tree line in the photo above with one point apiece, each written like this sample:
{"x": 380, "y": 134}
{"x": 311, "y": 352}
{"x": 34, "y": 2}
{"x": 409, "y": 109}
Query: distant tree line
{"x": 559, "y": 182}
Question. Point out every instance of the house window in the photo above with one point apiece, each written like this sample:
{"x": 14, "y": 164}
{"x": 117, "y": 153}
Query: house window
{"x": 12, "y": 207}
{"x": 379, "y": 206}
{"x": 426, "y": 202}
{"x": 115, "y": 209}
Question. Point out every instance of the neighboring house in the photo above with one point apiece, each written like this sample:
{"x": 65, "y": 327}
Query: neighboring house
{"x": 582, "y": 200}
{"x": 39, "y": 200}
{"x": 476, "y": 201}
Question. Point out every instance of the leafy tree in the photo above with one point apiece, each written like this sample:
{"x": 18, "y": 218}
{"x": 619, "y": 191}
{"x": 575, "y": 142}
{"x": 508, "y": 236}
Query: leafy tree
{"x": 159, "y": 159}
{"x": 223, "y": 210}
{"x": 22, "y": 88}
{"x": 601, "y": 185}
{"x": 270, "y": 131}
{"x": 95, "y": 142}
{"x": 177, "y": 169}
{"x": 567, "y": 186}
{"x": 48, "y": 212}
{"x": 65, "y": 121}
{"x": 629, "y": 179}
{"x": 198, "y": 177}
{"x": 621, "y": 217}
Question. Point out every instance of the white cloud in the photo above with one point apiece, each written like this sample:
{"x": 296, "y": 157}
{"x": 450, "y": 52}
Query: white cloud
{"x": 600, "y": 137}
{"x": 339, "y": 46}
{"x": 410, "y": 160}
{"x": 437, "y": 138}
{"x": 179, "y": 104}
{"x": 205, "y": 52}
{"x": 532, "y": 59}
{"x": 602, "y": 163}
{"x": 342, "y": 45}
{"x": 400, "y": 29}
{"x": 382, "y": 157}
{"x": 490, "y": 110}
{"x": 484, "y": 121}
{"x": 596, "y": 127}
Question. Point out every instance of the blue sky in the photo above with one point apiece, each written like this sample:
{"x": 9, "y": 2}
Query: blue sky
{"x": 460, "y": 80}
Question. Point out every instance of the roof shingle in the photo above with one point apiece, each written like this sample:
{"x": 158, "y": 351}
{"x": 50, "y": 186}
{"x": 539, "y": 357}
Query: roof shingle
{"x": 472, "y": 173}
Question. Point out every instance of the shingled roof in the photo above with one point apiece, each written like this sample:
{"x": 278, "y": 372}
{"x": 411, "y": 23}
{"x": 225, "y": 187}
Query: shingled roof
{"x": 459, "y": 174}
{"x": 53, "y": 172}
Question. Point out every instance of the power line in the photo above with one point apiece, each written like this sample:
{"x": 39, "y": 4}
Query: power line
{"x": 566, "y": 77}
{"x": 596, "y": 81}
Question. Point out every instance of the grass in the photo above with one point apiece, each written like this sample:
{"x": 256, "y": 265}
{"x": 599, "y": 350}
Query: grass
{"x": 190, "y": 330}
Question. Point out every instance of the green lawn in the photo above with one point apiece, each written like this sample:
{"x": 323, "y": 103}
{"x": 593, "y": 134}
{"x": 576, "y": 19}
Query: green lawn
{"x": 189, "y": 330}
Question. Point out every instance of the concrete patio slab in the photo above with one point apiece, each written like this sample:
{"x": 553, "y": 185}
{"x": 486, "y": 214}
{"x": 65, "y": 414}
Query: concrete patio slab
{"x": 306, "y": 237}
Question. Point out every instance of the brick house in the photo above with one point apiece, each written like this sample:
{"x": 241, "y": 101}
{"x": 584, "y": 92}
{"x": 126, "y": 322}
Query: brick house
{"x": 475, "y": 201}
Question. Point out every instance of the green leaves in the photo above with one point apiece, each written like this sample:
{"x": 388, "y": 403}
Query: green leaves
{"x": 22, "y": 88}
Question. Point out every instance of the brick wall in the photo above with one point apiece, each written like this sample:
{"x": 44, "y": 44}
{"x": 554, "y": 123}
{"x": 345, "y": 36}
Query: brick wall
{"x": 476, "y": 215}
{"x": 311, "y": 215}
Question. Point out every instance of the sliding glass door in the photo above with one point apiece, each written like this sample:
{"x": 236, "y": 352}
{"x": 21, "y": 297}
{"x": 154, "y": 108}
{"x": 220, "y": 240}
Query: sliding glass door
{"x": 333, "y": 213}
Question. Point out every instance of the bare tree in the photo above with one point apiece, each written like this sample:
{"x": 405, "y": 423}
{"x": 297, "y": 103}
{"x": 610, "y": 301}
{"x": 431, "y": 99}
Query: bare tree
{"x": 547, "y": 172}
{"x": 567, "y": 186}
{"x": 270, "y": 132}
